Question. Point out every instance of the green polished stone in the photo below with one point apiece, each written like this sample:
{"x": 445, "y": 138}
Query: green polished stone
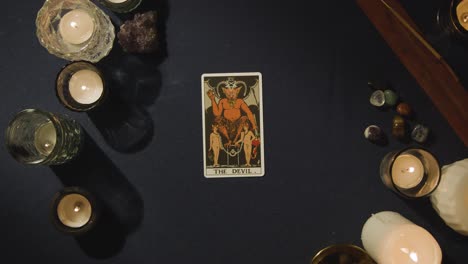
{"x": 391, "y": 98}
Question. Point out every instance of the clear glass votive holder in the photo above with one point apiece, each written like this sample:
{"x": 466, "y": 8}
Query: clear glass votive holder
{"x": 455, "y": 25}
{"x": 75, "y": 30}
{"x": 74, "y": 211}
{"x": 342, "y": 254}
{"x": 38, "y": 137}
{"x": 121, "y": 6}
{"x": 411, "y": 172}
{"x": 80, "y": 86}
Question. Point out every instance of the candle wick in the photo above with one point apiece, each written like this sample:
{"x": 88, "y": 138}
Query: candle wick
{"x": 77, "y": 207}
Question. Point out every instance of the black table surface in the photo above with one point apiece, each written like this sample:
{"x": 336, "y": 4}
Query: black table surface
{"x": 321, "y": 181}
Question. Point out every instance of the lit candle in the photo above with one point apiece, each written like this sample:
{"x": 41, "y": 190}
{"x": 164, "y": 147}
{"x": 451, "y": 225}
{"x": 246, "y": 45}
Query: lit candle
{"x": 462, "y": 14}
{"x": 45, "y": 138}
{"x": 407, "y": 171}
{"x": 450, "y": 199}
{"x": 411, "y": 172}
{"x": 76, "y": 27}
{"x": 86, "y": 86}
{"x": 390, "y": 238}
{"x": 117, "y": 1}
{"x": 74, "y": 210}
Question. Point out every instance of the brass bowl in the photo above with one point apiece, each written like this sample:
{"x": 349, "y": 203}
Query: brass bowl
{"x": 342, "y": 254}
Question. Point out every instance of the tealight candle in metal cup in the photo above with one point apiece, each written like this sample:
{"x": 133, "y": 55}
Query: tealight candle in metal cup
{"x": 121, "y": 6}
{"x": 411, "y": 172}
{"x": 74, "y": 211}
{"x": 338, "y": 254}
{"x": 80, "y": 86}
{"x": 39, "y": 137}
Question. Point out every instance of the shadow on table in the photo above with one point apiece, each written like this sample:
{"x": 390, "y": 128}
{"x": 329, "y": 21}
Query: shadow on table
{"x": 134, "y": 82}
{"x": 423, "y": 207}
{"x": 120, "y": 203}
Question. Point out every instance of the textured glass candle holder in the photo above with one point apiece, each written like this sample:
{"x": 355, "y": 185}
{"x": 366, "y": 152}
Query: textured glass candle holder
{"x": 78, "y": 200}
{"x": 121, "y": 6}
{"x": 93, "y": 49}
{"x": 430, "y": 173}
{"x": 64, "y": 94}
{"x": 39, "y": 137}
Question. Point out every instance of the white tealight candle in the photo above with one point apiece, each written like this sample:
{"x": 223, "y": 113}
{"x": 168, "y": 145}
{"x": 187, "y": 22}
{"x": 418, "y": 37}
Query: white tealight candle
{"x": 407, "y": 171}
{"x": 86, "y": 86}
{"x": 76, "y": 27}
{"x": 117, "y": 1}
{"x": 45, "y": 138}
{"x": 74, "y": 210}
{"x": 390, "y": 238}
{"x": 462, "y": 14}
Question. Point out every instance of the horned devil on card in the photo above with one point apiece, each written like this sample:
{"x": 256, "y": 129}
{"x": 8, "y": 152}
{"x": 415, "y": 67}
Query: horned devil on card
{"x": 233, "y": 125}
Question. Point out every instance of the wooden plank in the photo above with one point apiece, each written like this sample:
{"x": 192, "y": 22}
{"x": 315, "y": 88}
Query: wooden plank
{"x": 429, "y": 69}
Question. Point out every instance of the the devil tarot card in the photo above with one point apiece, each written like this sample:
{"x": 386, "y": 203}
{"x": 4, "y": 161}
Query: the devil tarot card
{"x": 233, "y": 144}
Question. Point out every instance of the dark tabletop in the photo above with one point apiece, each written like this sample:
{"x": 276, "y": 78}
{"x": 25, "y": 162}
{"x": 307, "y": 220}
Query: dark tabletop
{"x": 321, "y": 181}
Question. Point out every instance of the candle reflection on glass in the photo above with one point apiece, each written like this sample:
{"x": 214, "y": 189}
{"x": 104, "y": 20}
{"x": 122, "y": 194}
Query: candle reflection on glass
{"x": 45, "y": 138}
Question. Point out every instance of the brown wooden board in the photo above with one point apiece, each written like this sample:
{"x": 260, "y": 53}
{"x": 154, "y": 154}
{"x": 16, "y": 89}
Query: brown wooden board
{"x": 432, "y": 73}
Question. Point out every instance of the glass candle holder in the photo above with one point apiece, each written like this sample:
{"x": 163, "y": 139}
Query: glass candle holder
{"x": 452, "y": 18}
{"x": 80, "y": 86}
{"x": 39, "y": 137}
{"x": 121, "y": 6}
{"x": 74, "y": 211}
{"x": 342, "y": 254}
{"x": 411, "y": 172}
{"x": 75, "y": 30}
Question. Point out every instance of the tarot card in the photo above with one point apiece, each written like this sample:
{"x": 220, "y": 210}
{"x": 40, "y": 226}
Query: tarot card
{"x": 233, "y": 142}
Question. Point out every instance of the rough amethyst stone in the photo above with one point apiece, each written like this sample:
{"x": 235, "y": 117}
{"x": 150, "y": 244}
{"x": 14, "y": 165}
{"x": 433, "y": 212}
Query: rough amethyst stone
{"x": 140, "y": 35}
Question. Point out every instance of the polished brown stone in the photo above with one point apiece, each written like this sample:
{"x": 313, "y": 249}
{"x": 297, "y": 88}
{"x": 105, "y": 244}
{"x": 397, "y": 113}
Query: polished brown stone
{"x": 404, "y": 109}
{"x": 398, "y": 127}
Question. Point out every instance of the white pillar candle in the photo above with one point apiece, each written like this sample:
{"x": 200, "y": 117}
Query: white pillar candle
{"x": 407, "y": 171}
{"x": 86, "y": 86}
{"x": 74, "y": 210}
{"x": 450, "y": 199}
{"x": 76, "y": 27}
{"x": 45, "y": 138}
{"x": 390, "y": 238}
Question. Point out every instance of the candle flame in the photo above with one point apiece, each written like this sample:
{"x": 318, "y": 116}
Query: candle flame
{"x": 73, "y": 24}
{"x": 411, "y": 169}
